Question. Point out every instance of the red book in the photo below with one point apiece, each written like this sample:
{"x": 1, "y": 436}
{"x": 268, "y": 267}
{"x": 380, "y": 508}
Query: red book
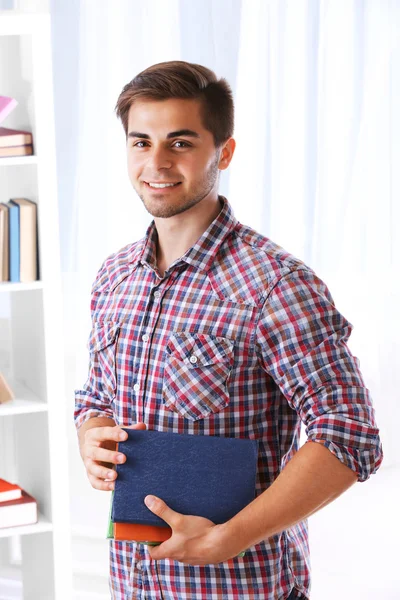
{"x": 18, "y": 512}
{"x": 9, "y": 491}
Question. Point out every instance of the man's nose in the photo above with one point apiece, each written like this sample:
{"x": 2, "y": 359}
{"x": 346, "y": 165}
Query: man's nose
{"x": 159, "y": 158}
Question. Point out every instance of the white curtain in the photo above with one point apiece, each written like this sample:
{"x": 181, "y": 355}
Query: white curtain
{"x": 317, "y": 91}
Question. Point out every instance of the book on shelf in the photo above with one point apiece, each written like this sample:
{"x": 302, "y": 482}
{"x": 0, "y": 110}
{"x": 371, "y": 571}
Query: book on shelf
{"x": 6, "y": 393}
{"x": 9, "y": 491}
{"x": 4, "y": 256}
{"x": 13, "y": 240}
{"x": 7, "y": 105}
{"x": 19, "y": 242}
{"x": 28, "y": 250}
{"x": 22, "y": 511}
{"x": 14, "y": 137}
{"x": 25, "y": 150}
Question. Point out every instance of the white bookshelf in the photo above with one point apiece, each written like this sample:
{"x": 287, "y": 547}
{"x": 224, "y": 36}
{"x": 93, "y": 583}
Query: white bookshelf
{"x": 33, "y": 427}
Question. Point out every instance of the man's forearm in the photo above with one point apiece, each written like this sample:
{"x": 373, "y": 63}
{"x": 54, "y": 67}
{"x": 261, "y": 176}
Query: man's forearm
{"x": 313, "y": 478}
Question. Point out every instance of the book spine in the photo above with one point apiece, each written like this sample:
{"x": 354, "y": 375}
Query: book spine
{"x": 14, "y": 243}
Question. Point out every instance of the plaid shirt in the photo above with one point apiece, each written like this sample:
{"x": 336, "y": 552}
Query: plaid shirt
{"x": 238, "y": 339}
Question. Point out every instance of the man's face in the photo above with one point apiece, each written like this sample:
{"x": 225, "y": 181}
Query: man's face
{"x": 167, "y": 143}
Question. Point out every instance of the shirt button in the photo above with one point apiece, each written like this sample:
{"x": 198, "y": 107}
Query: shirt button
{"x": 145, "y": 337}
{"x": 193, "y": 359}
{"x": 157, "y": 294}
{"x": 136, "y": 387}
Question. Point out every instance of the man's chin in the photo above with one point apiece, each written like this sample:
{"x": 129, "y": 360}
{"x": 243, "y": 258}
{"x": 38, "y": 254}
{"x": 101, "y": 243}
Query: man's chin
{"x": 161, "y": 210}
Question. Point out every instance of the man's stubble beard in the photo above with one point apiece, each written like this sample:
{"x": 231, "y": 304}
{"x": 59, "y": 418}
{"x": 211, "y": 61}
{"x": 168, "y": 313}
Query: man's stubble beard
{"x": 203, "y": 188}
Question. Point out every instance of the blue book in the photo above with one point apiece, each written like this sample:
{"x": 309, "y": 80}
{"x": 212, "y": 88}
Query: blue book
{"x": 13, "y": 241}
{"x": 207, "y": 476}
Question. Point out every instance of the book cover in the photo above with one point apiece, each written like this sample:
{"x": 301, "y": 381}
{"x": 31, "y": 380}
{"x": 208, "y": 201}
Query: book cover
{"x": 16, "y": 151}
{"x": 22, "y": 511}
{"x": 4, "y": 258}
{"x": 13, "y": 240}
{"x": 208, "y": 476}
{"x": 28, "y": 243}
{"x": 7, "y": 105}
{"x": 9, "y": 491}
{"x": 14, "y": 137}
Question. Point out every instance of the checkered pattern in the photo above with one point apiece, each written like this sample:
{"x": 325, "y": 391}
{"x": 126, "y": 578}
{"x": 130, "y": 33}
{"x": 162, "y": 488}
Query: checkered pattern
{"x": 238, "y": 339}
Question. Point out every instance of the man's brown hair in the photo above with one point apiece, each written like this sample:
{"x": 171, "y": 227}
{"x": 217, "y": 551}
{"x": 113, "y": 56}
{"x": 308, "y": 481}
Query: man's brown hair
{"x": 180, "y": 79}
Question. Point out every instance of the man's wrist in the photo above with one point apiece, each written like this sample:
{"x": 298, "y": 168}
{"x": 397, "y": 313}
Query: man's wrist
{"x": 225, "y": 538}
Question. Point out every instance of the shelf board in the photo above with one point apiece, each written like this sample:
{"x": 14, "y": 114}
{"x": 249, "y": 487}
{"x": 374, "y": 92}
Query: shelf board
{"x": 41, "y": 526}
{"x": 8, "y": 286}
{"x": 7, "y": 161}
{"x": 24, "y": 402}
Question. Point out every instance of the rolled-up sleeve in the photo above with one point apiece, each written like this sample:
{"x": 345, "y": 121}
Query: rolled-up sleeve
{"x": 95, "y": 397}
{"x": 302, "y": 342}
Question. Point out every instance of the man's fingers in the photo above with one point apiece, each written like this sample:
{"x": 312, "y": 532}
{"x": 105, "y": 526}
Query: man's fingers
{"x": 103, "y": 434}
{"x": 100, "y": 484}
{"x": 105, "y": 456}
{"x": 99, "y": 471}
{"x": 99, "y": 453}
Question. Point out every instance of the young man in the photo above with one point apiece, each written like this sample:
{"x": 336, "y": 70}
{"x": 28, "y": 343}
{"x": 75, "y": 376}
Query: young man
{"x": 206, "y": 327}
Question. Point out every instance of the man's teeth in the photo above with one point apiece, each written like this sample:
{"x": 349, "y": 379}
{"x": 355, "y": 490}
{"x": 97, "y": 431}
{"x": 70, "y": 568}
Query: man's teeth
{"x": 162, "y": 185}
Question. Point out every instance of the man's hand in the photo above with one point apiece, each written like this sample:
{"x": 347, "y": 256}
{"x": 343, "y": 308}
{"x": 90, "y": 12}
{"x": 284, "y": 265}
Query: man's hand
{"x": 194, "y": 540}
{"x": 98, "y": 451}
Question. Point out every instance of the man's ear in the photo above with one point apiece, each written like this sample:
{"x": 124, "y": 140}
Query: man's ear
{"x": 226, "y": 154}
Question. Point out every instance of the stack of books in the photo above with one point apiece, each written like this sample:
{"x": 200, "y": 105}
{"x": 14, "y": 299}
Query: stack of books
{"x": 19, "y": 255}
{"x": 18, "y": 217}
{"x": 207, "y": 476}
{"x": 17, "y": 507}
{"x": 13, "y": 142}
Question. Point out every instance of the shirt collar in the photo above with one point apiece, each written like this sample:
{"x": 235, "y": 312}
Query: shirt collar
{"x": 203, "y": 252}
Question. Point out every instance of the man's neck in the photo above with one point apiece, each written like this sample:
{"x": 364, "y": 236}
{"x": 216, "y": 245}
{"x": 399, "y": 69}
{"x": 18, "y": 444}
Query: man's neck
{"x": 179, "y": 233}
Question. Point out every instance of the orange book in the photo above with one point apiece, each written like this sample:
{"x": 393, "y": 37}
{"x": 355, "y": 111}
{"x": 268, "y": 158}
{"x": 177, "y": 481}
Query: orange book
{"x": 141, "y": 533}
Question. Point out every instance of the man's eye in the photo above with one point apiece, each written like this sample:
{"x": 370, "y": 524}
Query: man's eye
{"x": 144, "y": 144}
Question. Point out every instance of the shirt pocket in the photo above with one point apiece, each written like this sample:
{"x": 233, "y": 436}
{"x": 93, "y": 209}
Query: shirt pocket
{"x": 102, "y": 347}
{"x": 196, "y": 372}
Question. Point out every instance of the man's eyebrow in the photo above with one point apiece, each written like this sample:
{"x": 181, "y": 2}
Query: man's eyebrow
{"x": 172, "y": 134}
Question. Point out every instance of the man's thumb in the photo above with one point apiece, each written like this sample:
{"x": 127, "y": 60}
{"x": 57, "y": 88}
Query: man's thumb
{"x": 159, "y": 508}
